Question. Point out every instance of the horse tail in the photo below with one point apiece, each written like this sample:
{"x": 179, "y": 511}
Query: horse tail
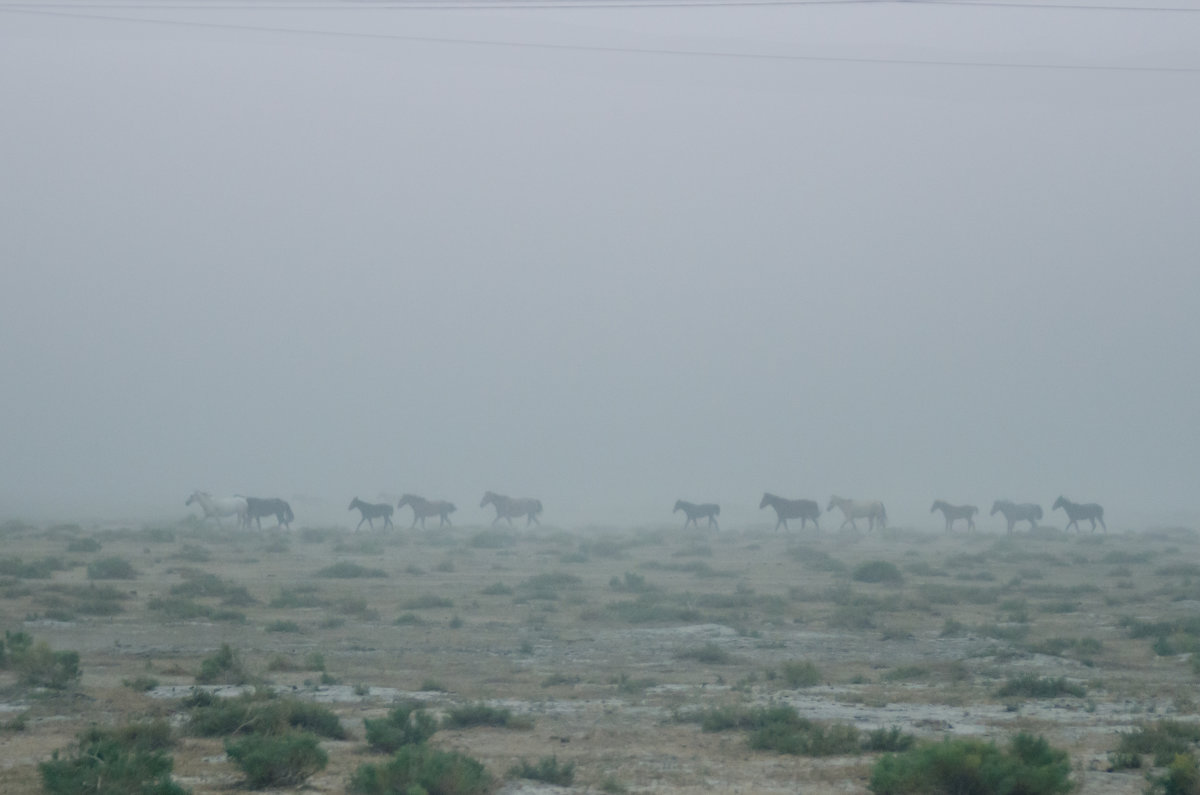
{"x": 882, "y": 514}
{"x": 538, "y": 503}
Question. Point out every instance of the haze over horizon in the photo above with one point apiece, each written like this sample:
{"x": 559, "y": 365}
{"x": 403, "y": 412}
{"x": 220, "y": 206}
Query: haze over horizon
{"x": 322, "y": 251}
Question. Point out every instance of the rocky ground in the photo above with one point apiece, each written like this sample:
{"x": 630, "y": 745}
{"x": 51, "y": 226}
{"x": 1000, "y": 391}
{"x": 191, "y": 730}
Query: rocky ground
{"x": 610, "y": 641}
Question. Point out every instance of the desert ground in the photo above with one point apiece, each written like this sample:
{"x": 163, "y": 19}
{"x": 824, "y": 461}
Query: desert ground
{"x": 608, "y": 643}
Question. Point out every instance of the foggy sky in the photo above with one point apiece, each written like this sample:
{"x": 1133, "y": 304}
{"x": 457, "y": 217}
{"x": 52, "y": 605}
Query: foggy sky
{"x": 321, "y": 266}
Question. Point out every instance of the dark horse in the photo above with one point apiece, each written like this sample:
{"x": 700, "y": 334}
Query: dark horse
{"x": 423, "y": 508}
{"x": 258, "y": 507}
{"x": 371, "y": 511}
{"x": 1076, "y": 511}
{"x": 708, "y": 510}
{"x": 792, "y": 509}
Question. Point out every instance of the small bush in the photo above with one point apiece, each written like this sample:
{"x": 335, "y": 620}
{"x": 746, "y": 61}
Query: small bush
{"x": 225, "y": 667}
{"x": 38, "y": 665}
{"x": 878, "y": 571}
{"x": 1182, "y": 778}
{"x": 482, "y": 715}
{"x": 83, "y": 545}
{"x": 114, "y": 762}
{"x": 1164, "y": 740}
{"x": 890, "y": 740}
{"x": 421, "y": 769}
{"x": 709, "y": 653}
{"x": 405, "y": 725}
{"x": 111, "y": 569}
{"x": 547, "y": 770}
{"x": 1030, "y": 686}
{"x": 277, "y": 760}
{"x": 427, "y": 602}
{"x": 259, "y": 713}
{"x": 972, "y": 767}
{"x": 282, "y": 625}
{"x": 346, "y": 570}
{"x": 497, "y": 589}
{"x": 141, "y": 684}
{"x": 800, "y": 673}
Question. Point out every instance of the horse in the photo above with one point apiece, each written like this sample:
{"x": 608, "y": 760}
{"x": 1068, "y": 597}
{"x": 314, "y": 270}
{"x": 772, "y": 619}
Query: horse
{"x": 1076, "y": 511}
{"x": 508, "y": 507}
{"x": 706, "y": 510}
{"x": 792, "y": 509}
{"x": 423, "y": 508}
{"x": 371, "y": 511}
{"x": 216, "y": 507}
{"x": 955, "y": 512}
{"x": 871, "y": 510}
{"x": 258, "y": 507}
{"x": 1014, "y": 512}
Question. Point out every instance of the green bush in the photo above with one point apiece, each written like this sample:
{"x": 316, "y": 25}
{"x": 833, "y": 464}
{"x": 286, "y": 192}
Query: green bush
{"x": 422, "y": 769}
{"x": 547, "y": 770}
{"x": 83, "y": 545}
{"x": 878, "y": 571}
{"x": 114, "y": 762}
{"x": 40, "y": 666}
{"x": 1182, "y": 778}
{"x": 890, "y": 739}
{"x": 800, "y": 673}
{"x": 277, "y": 760}
{"x": 405, "y": 725}
{"x": 802, "y": 737}
{"x": 426, "y": 602}
{"x": 225, "y": 667}
{"x": 260, "y": 712}
{"x": 111, "y": 569}
{"x": 709, "y": 653}
{"x": 1164, "y": 739}
{"x": 972, "y": 767}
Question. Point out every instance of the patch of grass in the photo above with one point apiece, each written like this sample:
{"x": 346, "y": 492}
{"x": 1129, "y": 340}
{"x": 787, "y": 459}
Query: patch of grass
{"x": 282, "y": 760}
{"x": 709, "y": 654}
{"x": 492, "y": 539}
{"x": 34, "y": 570}
{"x": 111, "y": 569}
{"x": 301, "y": 596}
{"x": 422, "y": 769}
{"x": 1029, "y": 766}
{"x": 178, "y": 609}
{"x": 193, "y": 554}
{"x": 497, "y": 589}
{"x": 880, "y": 571}
{"x": 282, "y": 625}
{"x": 260, "y": 712}
{"x": 800, "y": 673}
{"x": 548, "y": 770}
{"x": 427, "y": 602}
{"x": 649, "y": 608}
{"x": 1033, "y": 686}
{"x": 141, "y": 684}
{"x": 1181, "y": 778}
{"x": 346, "y": 570}
{"x": 890, "y": 740}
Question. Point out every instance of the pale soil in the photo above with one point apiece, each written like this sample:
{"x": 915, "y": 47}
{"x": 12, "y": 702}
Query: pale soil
{"x": 603, "y": 691}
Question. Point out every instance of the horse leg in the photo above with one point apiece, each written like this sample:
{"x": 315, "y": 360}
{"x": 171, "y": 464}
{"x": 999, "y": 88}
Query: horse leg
{"x": 360, "y": 521}
{"x": 712, "y": 523}
{"x": 1102, "y": 524}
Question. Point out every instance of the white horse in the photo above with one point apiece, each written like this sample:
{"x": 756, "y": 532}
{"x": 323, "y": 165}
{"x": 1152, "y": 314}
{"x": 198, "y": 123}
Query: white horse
{"x": 216, "y": 507}
{"x": 871, "y": 510}
{"x": 509, "y": 508}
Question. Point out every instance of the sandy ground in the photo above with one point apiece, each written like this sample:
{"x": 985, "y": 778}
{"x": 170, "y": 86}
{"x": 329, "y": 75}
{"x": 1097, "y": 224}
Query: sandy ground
{"x": 608, "y": 639}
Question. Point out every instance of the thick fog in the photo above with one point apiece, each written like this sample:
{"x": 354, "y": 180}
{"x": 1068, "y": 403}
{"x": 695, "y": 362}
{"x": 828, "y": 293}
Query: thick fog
{"x": 607, "y": 256}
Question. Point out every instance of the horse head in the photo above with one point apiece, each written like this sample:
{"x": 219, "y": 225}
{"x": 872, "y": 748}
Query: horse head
{"x": 995, "y": 507}
{"x": 833, "y": 502}
{"x": 1061, "y": 502}
{"x": 937, "y": 504}
{"x": 488, "y": 496}
{"x": 353, "y": 504}
{"x": 766, "y": 500}
{"x": 678, "y": 506}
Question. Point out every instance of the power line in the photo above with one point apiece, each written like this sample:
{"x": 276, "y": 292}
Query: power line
{"x": 555, "y": 47}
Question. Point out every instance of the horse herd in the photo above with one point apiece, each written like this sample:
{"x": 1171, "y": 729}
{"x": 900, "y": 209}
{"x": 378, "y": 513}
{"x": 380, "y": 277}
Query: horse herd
{"x": 252, "y": 509}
